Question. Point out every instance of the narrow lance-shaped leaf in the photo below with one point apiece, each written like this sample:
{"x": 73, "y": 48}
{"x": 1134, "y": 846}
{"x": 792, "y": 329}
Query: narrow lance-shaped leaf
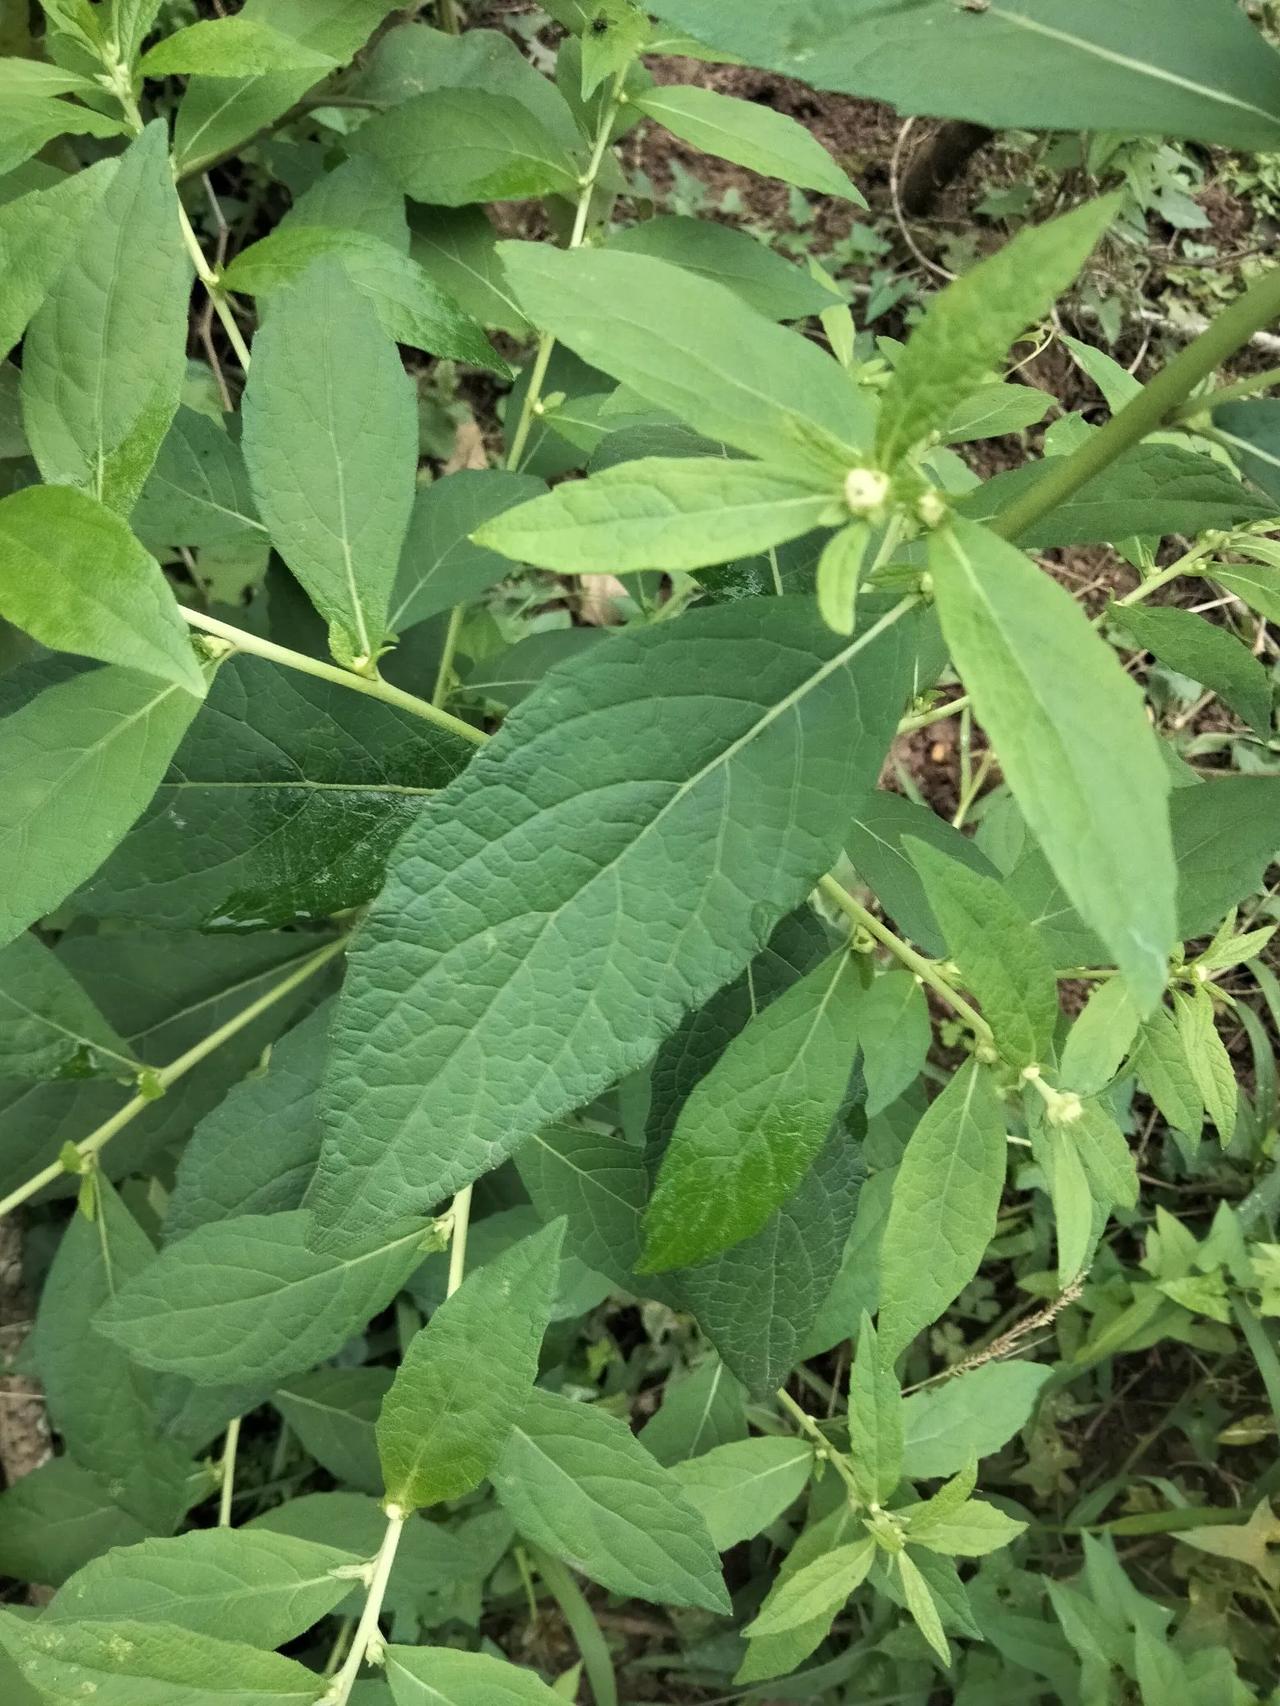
{"x": 752, "y": 1126}
{"x": 875, "y": 1419}
{"x": 819, "y": 1587}
{"x": 1206, "y": 653}
{"x": 1073, "y": 739}
{"x": 442, "y": 1676}
{"x": 466, "y": 1377}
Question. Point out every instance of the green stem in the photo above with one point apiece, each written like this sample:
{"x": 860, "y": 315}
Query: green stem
{"x": 209, "y": 279}
{"x": 1162, "y": 577}
{"x": 228, "y": 1484}
{"x": 447, "y": 17}
{"x": 1229, "y": 394}
{"x": 460, "y": 1219}
{"x": 596, "y": 1658}
{"x": 372, "y": 686}
{"x": 443, "y": 674}
{"x": 807, "y": 1425}
{"x": 1156, "y": 404}
{"x": 367, "y": 1637}
{"x": 926, "y": 970}
{"x": 922, "y": 719}
{"x": 166, "y": 1076}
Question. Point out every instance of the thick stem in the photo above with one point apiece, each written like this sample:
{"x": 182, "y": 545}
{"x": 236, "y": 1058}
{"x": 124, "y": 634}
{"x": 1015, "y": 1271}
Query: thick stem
{"x": 596, "y": 1659}
{"x": 94, "y": 1144}
{"x": 367, "y": 1635}
{"x": 460, "y": 1221}
{"x": 228, "y": 1473}
{"x": 1157, "y": 403}
{"x": 1248, "y": 387}
{"x": 373, "y": 687}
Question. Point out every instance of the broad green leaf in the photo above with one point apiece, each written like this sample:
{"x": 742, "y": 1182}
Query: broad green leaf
{"x": 1199, "y": 649}
{"x": 112, "y": 602}
{"x": 80, "y": 761}
{"x": 466, "y": 1377}
{"x": 246, "y": 1298}
{"x": 700, "y": 1411}
{"x": 29, "y": 122}
{"x": 266, "y": 1588}
{"x": 231, "y": 47}
{"x": 876, "y": 846}
{"x": 441, "y": 564}
{"x": 973, "y": 1414}
{"x": 456, "y": 146}
{"x": 1225, "y": 834}
{"x": 575, "y": 1290}
{"x": 1151, "y": 489}
{"x": 819, "y": 1587}
{"x": 39, "y": 233}
{"x": 1100, "y": 1039}
{"x": 875, "y": 1419}
{"x": 1165, "y": 1073}
{"x": 750, "y": 1130}
{"x": 618, "y": 34}
{"x": 677, "y": 341}
{"x": 1180, "y": 68}
{"x": 198, "y": 492}
{"x": 354, "y": 197}
{"x": 331, "y": 441}
{"x": 1001, "y": 959}
{"x": 1253, "y": 429}
{"x": 1073, "y": 740}
{"x": 104, "y": 357}
{"x": 729, "y": 257}
{"x": 49, "y": 1026}
{"x": 971, "y": 1531}
{"x": 945, "y": 1200}
{"x": 410, "y": 306}
{"x": 442, "y": 1676}
{"x": 922, "y": 1606}
{"x": 575, "y": 1481}
{"x": 895, "y": 1031}
{"x": 750, "y": 135}
{"x": 333, "y": 1411}
{"x": 619, "y": 975}
{"x": 599, "y": 1183}
{"x": 968, "y": 328}
{"x": 1210, "y": 1064}
{"x": 218, "y": 114}
{"x": 659, "y": 513}
{"x": 993, "y": 410}
{"x": 57, "y": 1518}
{"x": 226, "y": 1169}
{"x": 126, "y": 1663}
{"x": 282, "y": 803}
{"x": 740, "y": 1488}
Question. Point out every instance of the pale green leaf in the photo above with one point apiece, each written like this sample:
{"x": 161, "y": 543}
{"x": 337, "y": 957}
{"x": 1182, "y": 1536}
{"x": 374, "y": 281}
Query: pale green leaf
{"x": 1210, "y": 1064}
{"x": 970, "y": 1531}
{"x": 877, "y": 848}
{"x": 818, "y": 1588}
{"x": 1165, "y": 1073}
{"x": 39, "y": 233}
{"x": 839, "y": 572}
{"x": 922, "y": 1606}
{"x": 231, "y": 47}
{"x": 1105, "y": 1155}
{"x": 774, "y": 1655}
{"x": 730, "y": 257}
{"x": 442, "y": 1676}
{"x": 1100, "y": 1039}
{"x": 49, "y": 1026}
{"x": 973, "y": 1414}
{"x": 895, "y": 1031}
{"x": 1069, "y": 1192}
{"x": 993, "y": 410}
{"x": 36, "y": 77}
{"x": 740, "y": 1488}
{"x": 875, "y": 1419}
{"x": 29, "y": 122}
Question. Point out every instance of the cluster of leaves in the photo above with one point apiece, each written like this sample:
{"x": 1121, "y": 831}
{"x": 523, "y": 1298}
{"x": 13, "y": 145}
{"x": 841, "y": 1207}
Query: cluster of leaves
{"x": 386, "y": 1008}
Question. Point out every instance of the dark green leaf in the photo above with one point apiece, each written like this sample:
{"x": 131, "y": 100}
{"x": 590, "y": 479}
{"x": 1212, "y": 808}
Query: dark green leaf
{"x": 1254, "y": 431}
{"x": 1195, "y": 648}
{"x": 440, "y": 564}
{"x": 333, "y": 1412}
{"x": 875, "y": 845}
{"x": 49, "y": 1027}
{"x": 730, "y": 257}
{"x": 198, "y": 492}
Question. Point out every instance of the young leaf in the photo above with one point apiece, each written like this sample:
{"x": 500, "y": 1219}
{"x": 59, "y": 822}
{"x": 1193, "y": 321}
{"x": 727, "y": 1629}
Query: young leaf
{"x": 39, "y": 233}
{"x": 80, "y": 762}
{"x": 839, "y": 571}
{"x": 973, "y": 1414}
{"x": 113, "y": 602}
{"x": 749, "y": 135}
{"x": 818, "y": 1588}
{"x": 440, "y": 564}
{"x": 575, "y": 1481}
{"x": 752, "y": 1127}
{"x": 1208, "y": 1059}
{"x": 49, "y": 1027}
{"x": 677, "y": 341}
{"x": 1165, "y": 1073}
{"x": 922, "y": 1606}
{"x": 740, "y": 1488}
{"x": 895, "y": 1032}
{"x": 945, "y": 1200}
{"x": 466, "y": 1377}
{"x": 1000, "y": 957}
{"x": 970, "y": 1531}
{"x": 1106, "y": 1157}
{"x": 29, "y": 122}
{"x": 1073, "y": 739}
{"x": 246, "y": 1299}
{"x": 231, "y": 47}
{"x": 774, "y": 1655}
{"x": 1100, "y": 1039}
{"x": 993, "y": 410}
{"x": 758, "y": 670}
{"x": 103, "y": 360}
{"x": 331, "y": 440}
{"x": 877, "y": 847}
{"x": 875, "y": 1419}
{"x": 442, "y": 1676}
{"x": 968, "y": 327}
{"x": 1206, "y": 653}
{"x": 659, "y": 513}
{"x": 1073, "y": 1205}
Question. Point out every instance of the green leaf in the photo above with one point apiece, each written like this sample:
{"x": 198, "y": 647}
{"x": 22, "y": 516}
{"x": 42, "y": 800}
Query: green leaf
{"x": 466, "y": 1377}
{"x": 1253, "y": 429}
{"x": 1224, "y": 836}
{"x": 1105, "y": 1155}
{"x": 619, "y": 978}
{"x": 700, "y": 1411}
{"x": 1069, "y": 1192}
{"x": 1199, "y": 649}
{"x": 677, "y": 341}
{"x": 600, "y": 1185}
{"x": 1064, "y": 64}
{"x": 333, "y": 1412}
{"x": 440, "y": 564}
{"x": 231, "y": 47}
{"x": 968, "y": 327}
{"x": 55, "y": 1519}
{"x": 727, "y": 256}
{"x": 113, "y": 602}
{"x": 993, "y": 410}
{"x": 750, "y": 135}
{"x": 29, "y": 122}
{"x": 751, "y": 1129}
{"x": 442, "y": 1676}
{"x": 740, "y": 1488}
{"x": 839, "y": 572}
{"x": 774, "y": 1655}
{"x": 35, "y": 77}
{"x": 1100, "y": 1039}
{"x": 575, "y": 1482}
{"x": 973, "y": 1414}
{"x": 922, "y": 1606}
{"x": 875, "y": 1419}
{"x": 128, "y": 1663}
{"x": 268, "y": 1588}
{"x": 1210, "y": 1064}
{"x": 659, "y": 513}
{"x": 452, "y": 147}
{"x": 100, "y": 381}
{"x": 895, "y": 1031}
{"x": 458, "y": 247}
{"x": 945, "y": 1200}
{"x": 1151, "y": 489}
{"x": 245, "y": 1298}
{"x": 283, "y": 802}
{"x": 39, "y": 233}
{"x": 49, "y": 1027}
{"x": 1073, "y": 739}
{"x": 1166, "y": 1075}
{"x": 331, "y": 441}
{"x": 80, "y": 761}
{"x": 877, "y": 847}
{"x": 1001, "y": 959}
{"x": 198, "y": 492}
{"x": 819, "y": 1587}
{"x": 970, "y": 1531}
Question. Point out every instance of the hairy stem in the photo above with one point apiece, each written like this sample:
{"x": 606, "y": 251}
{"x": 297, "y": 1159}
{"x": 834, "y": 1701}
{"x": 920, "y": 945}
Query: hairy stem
{"x": 593, "y": 1647}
